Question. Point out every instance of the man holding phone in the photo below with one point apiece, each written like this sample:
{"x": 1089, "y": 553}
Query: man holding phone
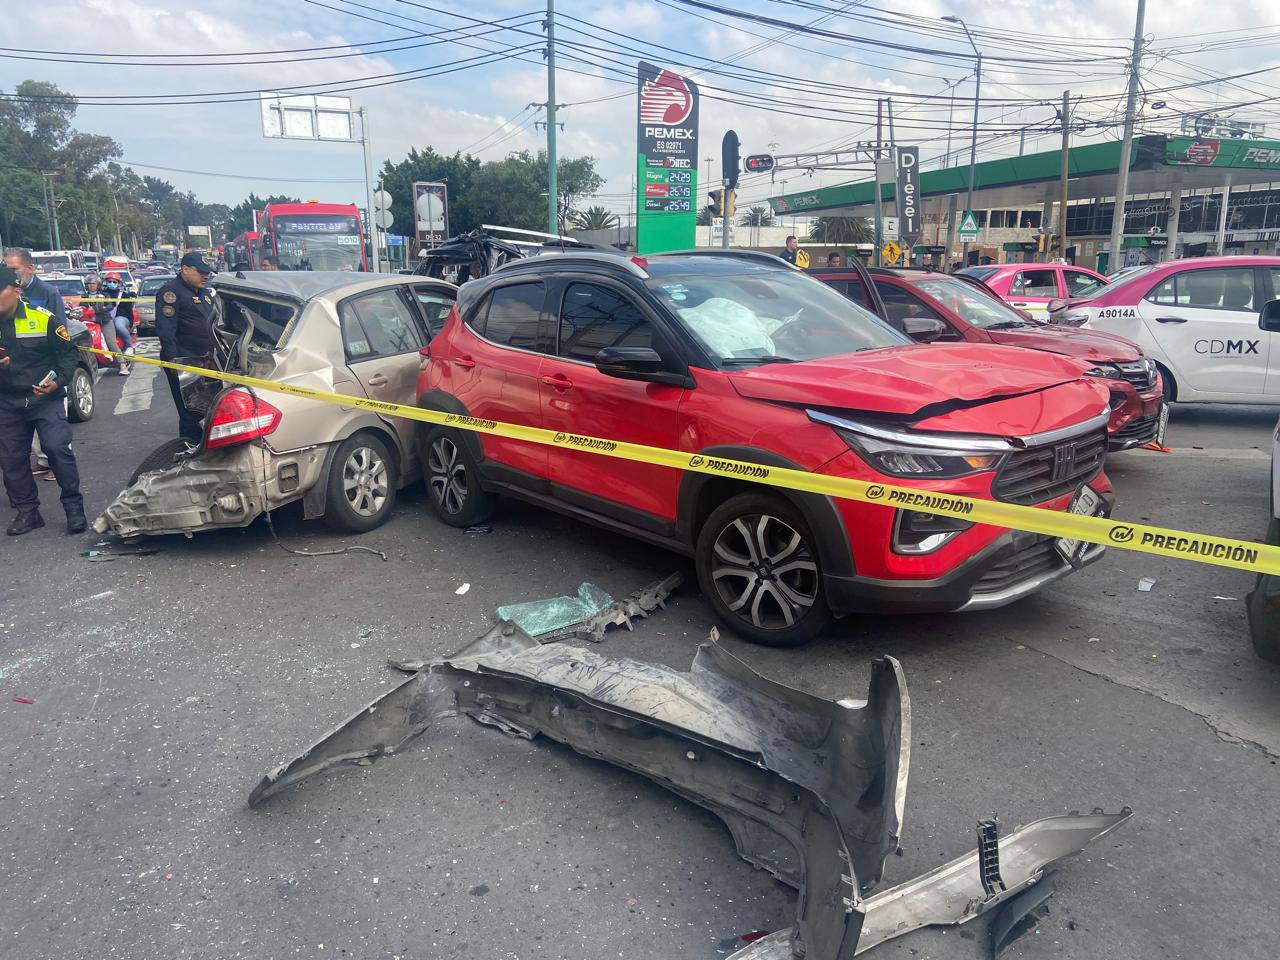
{"x": 37, "y": 361}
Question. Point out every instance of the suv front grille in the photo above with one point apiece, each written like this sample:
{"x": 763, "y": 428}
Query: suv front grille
{"x": 1141, "y": 429}
{"x": 1033, "y": 555}
{"x": 1044, "y": 473}
{"x": 1139, "y": 373}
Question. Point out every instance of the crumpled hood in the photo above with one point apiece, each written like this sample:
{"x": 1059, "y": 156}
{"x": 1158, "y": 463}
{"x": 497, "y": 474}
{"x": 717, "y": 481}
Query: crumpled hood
{"x": 903, "y": 380}
{"x": 1070, "y": 341}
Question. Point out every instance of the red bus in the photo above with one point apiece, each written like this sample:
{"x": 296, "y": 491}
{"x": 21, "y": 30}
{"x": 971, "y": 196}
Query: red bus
{"x": 244, "y": 252}
{"x": 311, "y": 236}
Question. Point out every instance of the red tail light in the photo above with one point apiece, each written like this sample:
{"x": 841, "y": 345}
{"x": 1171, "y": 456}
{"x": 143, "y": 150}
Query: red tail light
{"x": 240, "y": 417}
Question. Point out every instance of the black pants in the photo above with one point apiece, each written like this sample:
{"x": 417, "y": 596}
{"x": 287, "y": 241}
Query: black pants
{"x": 188, "y": 423}
{"x": 20, "y": 419}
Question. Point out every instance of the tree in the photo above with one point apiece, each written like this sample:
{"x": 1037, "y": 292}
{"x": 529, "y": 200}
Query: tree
{"x": 240, "y": 217}
{"x": 704, "y": 217}
{"x": 594, "y": 218}
{"x": 757, "y": 217}
{"x": 574, "y": 178}
{"x": 842, "y": 230}
{"x": 427, "y": 166}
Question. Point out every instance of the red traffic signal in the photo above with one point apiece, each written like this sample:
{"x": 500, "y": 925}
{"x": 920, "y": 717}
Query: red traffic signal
{"x": 758, "y": 163}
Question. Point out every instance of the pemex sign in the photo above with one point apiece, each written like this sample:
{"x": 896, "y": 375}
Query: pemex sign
{"x": 666, "y": 160}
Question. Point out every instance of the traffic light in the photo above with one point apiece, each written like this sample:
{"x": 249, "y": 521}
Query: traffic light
{"x": 716, "y": 205}
{"x": 733, "y": 202}
{"x": 1042, "y": 243}
{"x": 729, "y": 159}
{"x": 759, "y": 163}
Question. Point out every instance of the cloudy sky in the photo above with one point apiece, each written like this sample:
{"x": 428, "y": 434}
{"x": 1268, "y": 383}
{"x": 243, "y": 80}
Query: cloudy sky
{"x": 806, "y": 91}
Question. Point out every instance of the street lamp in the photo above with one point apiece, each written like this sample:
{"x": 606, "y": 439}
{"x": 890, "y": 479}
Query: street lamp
{"x": 973, "y": 146}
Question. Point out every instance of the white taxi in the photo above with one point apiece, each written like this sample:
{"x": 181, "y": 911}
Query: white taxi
{"x": 1199, "y": 320}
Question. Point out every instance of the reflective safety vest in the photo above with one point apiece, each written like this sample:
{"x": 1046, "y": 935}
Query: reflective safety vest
{"x": 34, "y": 324}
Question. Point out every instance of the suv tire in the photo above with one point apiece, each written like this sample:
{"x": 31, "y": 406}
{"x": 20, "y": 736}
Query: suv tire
{"x": 758, "y": 565}
{"x": 452, "y": 481}
{"x": 362, "y": 485}
{"x": 1264, "y": 619}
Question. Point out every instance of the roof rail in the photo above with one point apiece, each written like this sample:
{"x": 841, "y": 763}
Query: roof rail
{"x": 582, "y": 256}
{"x": 754, "y": 256}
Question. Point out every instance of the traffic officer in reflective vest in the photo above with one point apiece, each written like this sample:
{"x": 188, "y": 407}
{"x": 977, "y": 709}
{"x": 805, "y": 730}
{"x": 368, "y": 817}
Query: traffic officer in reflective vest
{"x": 184, "y": 324}
{"x": 37, "y": 361}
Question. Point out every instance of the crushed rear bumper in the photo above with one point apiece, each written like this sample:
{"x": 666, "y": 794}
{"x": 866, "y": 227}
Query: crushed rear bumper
{"x": 811, "y": 790}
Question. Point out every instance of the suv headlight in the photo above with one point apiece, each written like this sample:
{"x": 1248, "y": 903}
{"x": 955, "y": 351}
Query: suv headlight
{"x": 901, "y": 453}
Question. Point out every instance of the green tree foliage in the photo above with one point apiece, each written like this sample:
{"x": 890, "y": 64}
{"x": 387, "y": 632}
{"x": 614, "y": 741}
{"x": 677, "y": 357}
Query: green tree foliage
{"x": 594, "y": 218}
{"x": 757, "y": 217}
{"x": 842, "y": 230}
{"x": 510, "y": 192}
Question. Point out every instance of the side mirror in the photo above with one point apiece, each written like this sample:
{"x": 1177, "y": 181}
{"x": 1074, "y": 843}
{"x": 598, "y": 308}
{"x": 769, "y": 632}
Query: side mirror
{"x": 1056, "y": 305}
{"x": 1269, "y": 319}
{"x": 638, "y": 363}
{"x": 924, "y": 329}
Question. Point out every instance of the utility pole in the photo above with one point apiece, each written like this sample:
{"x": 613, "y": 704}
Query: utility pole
{"x": 48, "y": 219}
{"x": 879, "y": 204}
{"x": 1126, "y": 146}
{"x": 951, "y": 112}
{"x": 53, "y": 207}
{"x": 1066, "y": 159}
{"x": 371, "y": 224}
{"x": 973, "y": 144}
{"x": 553, "y": 188}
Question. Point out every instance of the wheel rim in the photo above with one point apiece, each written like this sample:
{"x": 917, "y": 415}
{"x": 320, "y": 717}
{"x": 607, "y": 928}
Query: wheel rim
{"x": 764, "y": 571}
{"x": 84, "y": 393}
{"x": 447, "y": 476}
{"x": 365, "y": 481}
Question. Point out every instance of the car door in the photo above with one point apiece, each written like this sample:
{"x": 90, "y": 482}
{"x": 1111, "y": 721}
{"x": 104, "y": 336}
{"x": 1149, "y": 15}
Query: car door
{"x": 1270, "y": 278}
{"x": 494, "y": 374}
{"x": 1205, "y": 321}
{"x": 381, "y": 338}
{"x": 434, "y": 300}
{"x": 912, "y": 314}
{"x": 594, "y": 313}
{"x": 1078, "y": 283}
{"x": 1032, "y": 289}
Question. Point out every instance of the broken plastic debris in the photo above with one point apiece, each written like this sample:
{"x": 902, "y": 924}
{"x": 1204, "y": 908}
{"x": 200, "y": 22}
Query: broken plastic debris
{"x": 1145, "y": 584}
{"x": 1226, "y": 598}
{"x": 463, "y": 589}
{"x": 479, "y": 530}
{"x": 539, "y": 617}
{"x": 1095, "y": 639}
{"x": 23, "y": 700}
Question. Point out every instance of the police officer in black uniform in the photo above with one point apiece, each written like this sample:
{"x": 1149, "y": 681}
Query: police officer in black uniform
{"x": 37, "y": 361}
{"x": 184, "y": 324}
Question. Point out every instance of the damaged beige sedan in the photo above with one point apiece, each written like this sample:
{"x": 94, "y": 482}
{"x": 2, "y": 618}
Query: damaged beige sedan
{"x": 356, "y": 334}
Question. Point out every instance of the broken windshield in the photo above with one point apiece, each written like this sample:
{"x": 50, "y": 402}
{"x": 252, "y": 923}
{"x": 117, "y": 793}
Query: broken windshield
{"x": 782, "y": 316}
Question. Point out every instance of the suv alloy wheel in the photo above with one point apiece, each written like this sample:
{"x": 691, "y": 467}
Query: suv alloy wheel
{"x": 451, "y": 480}
{"x": 758, "y": 565}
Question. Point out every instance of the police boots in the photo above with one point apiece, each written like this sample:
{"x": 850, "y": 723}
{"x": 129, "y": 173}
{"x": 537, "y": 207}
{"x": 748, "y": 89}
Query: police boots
{"x": 25, "y": 523}
{"x": 76, "y": 522}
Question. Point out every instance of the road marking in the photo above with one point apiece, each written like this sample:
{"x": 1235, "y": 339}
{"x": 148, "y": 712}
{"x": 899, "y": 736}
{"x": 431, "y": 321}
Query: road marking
{"x": 138, "y": 392}
{"x": 1225, "y": 453}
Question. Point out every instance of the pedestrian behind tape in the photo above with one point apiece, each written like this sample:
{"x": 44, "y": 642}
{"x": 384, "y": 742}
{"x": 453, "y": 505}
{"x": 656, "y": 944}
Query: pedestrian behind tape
{"x": 184, "y": 324}
{"x": 37, "y": 362}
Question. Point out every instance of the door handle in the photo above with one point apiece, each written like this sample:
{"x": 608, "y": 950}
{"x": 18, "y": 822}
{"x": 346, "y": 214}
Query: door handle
{"x": 1019, "y": 304}
{"x": 559, "y": 381}
{"x": 463, "y": 361}
{"x": 1171, "y": 319}
{"x": 377, "y": 380}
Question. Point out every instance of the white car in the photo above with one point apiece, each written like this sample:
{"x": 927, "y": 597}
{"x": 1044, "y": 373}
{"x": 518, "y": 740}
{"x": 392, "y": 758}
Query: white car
{"x": 1199, "y": 320}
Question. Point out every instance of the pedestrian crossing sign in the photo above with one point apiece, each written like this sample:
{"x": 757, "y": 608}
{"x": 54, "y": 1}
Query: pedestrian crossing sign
{"x": 968, "y": 225}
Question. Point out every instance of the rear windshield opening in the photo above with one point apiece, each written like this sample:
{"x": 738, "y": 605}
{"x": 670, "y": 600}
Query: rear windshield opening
{"x": 270, "y": 320}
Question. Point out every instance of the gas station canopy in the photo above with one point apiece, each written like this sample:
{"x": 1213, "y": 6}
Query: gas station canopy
{"x": 1159, "y": 163}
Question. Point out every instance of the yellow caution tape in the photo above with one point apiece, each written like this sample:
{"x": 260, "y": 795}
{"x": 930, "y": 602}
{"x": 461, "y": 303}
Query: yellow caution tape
{"x": 1179, "y": 544}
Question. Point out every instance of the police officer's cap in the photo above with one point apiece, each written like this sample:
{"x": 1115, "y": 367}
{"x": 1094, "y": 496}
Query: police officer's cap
{"x": 9, "y": 277}
{"x": 196, "y": 259}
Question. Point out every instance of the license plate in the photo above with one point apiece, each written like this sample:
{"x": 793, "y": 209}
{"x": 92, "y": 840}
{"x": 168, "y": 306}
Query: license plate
{"x": 1164, "y": 425}
{"x": 1086, "y": 503}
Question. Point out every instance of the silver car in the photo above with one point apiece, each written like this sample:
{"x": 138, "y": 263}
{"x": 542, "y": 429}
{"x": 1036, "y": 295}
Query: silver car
{"x": 144, "y": 309}
{"x": 356, "y": 334}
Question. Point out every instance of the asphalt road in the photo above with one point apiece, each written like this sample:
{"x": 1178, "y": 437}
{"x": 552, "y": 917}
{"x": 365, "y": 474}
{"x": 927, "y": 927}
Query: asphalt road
{"x": 165, "y": 685}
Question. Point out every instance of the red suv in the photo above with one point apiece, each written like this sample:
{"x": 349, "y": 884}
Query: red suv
{"x": 739, "y": 358}
{"x": 939, "y": 308}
